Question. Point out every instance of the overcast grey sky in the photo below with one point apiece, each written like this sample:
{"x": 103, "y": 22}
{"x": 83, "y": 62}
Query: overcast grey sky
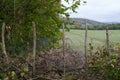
{"x": 99, "y": 10}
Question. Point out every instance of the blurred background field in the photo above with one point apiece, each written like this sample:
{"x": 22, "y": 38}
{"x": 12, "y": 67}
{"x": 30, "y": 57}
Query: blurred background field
{"x": 75, "y": 38}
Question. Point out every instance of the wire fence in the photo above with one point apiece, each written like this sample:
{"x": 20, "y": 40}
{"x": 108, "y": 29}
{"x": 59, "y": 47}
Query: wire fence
{"x": 69, "y": 58}
{"x": 76, "y": 39}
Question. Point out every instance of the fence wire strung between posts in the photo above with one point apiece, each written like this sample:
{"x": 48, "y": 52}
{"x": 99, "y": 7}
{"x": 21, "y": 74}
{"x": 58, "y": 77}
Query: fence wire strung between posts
{"x": 57, "y": 63}
{"x": 46, "y": 62}
{"x": 50, "y": 62}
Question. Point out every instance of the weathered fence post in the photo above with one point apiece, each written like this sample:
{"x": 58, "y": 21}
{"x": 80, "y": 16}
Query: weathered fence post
{"x": 14, "y": 11}
{"x": 85, "y": 43}
{"x": 34, "y": 47}
{"x": 107, "y": 42}
{"x": 3, "y": 42}
{"x": 63, "y": 40}
{"x": 85, "y": 46}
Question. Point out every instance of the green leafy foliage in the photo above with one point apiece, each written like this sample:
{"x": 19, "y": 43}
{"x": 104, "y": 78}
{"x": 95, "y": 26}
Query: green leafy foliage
{"x": 17, "y": 69}
{"x": 102, "y": 67}
{"x": 19, "y": 14}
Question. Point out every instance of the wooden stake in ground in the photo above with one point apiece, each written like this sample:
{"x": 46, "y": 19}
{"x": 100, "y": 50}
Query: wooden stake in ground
{"x": 107, "y": 42}
{"x": 14, "y": 11}
{"x": 3, "y": 42}
{"x": 63, "y": 40}
{"x": 86, "y": 29}
{"x": 86, "y": 32}
{"x": 34, "y": 46}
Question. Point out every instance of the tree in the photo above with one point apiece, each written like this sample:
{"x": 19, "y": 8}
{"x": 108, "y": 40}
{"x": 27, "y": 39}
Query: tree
{"x": 19, "y": 14}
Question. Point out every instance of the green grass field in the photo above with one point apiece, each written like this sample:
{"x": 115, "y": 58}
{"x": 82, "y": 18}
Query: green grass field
{"x": 75, "y": 38}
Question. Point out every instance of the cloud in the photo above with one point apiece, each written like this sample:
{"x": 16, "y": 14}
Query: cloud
{"x": 100, "y": 10}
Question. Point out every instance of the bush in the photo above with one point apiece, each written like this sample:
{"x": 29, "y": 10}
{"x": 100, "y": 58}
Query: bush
{"x": 103, "y": 67}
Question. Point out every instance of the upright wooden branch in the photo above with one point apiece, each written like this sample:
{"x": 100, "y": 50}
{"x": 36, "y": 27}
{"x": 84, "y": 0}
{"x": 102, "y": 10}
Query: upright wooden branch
{"x": 3, "y": 42}
{"x": 34, "y": 47}
{"x": 86, "y": 35}
{"x": 107, "y": 42}
{"x": 86, "y": 29}
{"x": 63, "y": 40}
{"x": 14, "y": 11}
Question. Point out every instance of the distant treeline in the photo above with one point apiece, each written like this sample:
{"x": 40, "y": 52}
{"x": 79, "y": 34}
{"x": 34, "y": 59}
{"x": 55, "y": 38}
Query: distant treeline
{"x": 102, "y": 27}
{"x": 99, "y": 27}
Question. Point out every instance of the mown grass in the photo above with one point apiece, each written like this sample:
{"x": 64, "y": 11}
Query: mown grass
{"x": 75, "y": 38}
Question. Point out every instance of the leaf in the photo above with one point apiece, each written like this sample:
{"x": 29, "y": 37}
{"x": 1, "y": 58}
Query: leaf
{"x": 13, "y": 74}
{"x": 6, "y": 78}
{"x": 22, "y": 74}
{"x": 25, "y": 68}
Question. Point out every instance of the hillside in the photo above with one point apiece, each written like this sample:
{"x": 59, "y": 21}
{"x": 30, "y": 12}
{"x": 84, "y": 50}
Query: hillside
{"x": 79, "y": 23}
